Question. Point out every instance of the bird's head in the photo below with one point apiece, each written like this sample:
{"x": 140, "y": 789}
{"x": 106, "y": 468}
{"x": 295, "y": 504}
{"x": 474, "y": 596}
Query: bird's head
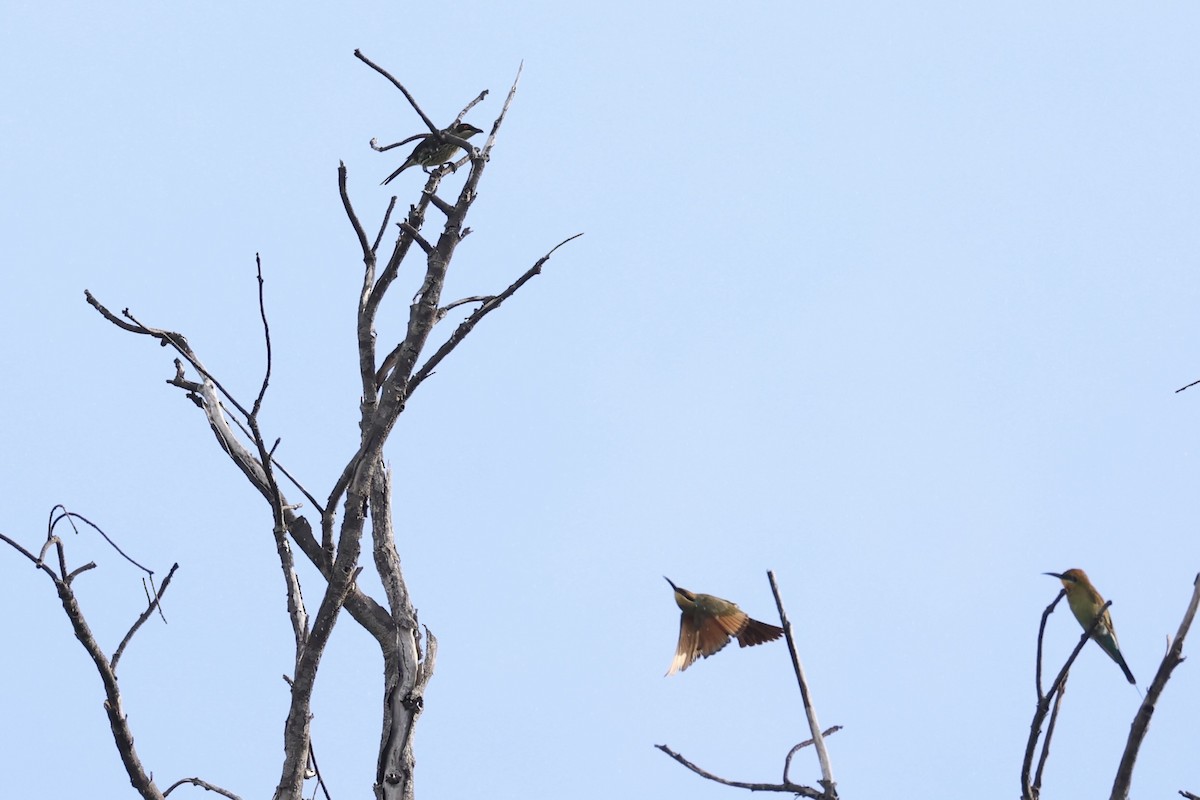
{"x": 1070, "y": 578}
{"x": 680, "y": 594}
{"x": 463, "y": 130}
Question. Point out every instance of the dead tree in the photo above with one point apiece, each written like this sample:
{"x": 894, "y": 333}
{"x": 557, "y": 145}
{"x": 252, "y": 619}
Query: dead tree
{"x": 333, "y": 539}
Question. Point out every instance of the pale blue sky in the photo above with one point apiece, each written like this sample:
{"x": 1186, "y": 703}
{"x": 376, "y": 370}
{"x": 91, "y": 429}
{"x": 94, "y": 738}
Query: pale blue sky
{"x": 891, "y": 299}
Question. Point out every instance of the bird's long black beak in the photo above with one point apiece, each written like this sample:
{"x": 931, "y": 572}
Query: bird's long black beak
{"x": 668, "y": 580}
{"x": 1053, "y": 575}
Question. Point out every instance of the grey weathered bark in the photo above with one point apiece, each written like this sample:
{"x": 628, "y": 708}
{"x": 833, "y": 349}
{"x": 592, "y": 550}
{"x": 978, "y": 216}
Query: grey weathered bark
{"x": 363, "y": 491}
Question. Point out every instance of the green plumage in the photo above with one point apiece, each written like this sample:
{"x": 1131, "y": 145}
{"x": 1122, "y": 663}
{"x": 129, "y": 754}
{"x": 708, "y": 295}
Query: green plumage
{"x": 1086, "y": 603}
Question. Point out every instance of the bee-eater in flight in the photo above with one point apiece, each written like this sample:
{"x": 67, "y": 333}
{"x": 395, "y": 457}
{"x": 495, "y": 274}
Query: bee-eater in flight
{"x": 706, "y": 624}
{"x": 1085, "y": 604}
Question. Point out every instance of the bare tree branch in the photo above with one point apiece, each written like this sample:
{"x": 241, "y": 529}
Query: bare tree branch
{"x": 411, "y": 100}
{"x": 790, "y": 788}
{"x": 297, "y": 613}
{"x": 363, "y": 488}
{"x": 60, "y": 513}
{"x": 829, "y": 786}
{"x": 1031, "y": 787}
{"x": 122, "y": 734}
{"x": 262, "y": 313}
{"x": 787, "y": 760}
{"x": 145, "y": 615}
{"x": 245, "y": 429}
{"x": 364, "y": 610}
{"x": 1030, "y": 790}
{"x": 35, "y": 560}
{"x": 368, "y": 250}
{"x": 379, "y": 417}
{"x": 490, "y": 304}
{"x": 1044, "y": 755}
{"x": 406, "y": 672}
{"x": 827, "y": 782}
{"x": 416, "y": 236}
{"x": 316, "y": 771}
{"x": 203, "y": 785}
{"x": 1141, "y": 722}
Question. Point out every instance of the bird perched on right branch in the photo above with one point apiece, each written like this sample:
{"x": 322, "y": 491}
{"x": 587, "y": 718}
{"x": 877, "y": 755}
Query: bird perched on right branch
{"x": 706, "y": 624}
{"x": 432, "y": 152}
{"x": 1085, "y": 604}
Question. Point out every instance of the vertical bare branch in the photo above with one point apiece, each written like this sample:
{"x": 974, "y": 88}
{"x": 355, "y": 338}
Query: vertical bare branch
{"x": 366, "y": 347}
{"x": 827, "y": 781}
{"x": 296, "y": 729}
{"x": 406, "y": 672}
{"x": 297, "y": 614}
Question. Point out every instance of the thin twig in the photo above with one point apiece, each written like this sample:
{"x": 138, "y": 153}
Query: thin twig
{"x": 297, "y": 613}
{"x": 415, "y": 219}
{"x": 792, "y": 788}
{"x": 383, "y": 226}
{"x": 1030, "y": 790}
{"x": 262, "y": 313}
{"x": 1044, "y": 756}
{"x": 312, "y": 757}
{"x": 180, "y": 344}
{"x": 478, "y": 314}
{"x": 118, "y": 722}
{"x": 176, "y": 340}
{"x": 71, "y": 516}
{"x": 411, "y": 100}
{"x": 479, "y": 298}
{"x": 383, "y": 148}
{"x": 71, "y": 575}
{"x": 37, "y": 562}
{"x": 145, "y": 615}
{"x": 787, "y": 760}
{"x": 307, "y": 494}
{"x": 359, "y": 233}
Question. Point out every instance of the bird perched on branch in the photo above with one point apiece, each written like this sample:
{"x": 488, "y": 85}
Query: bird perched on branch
{"x": 431, "y": 151}
{"x": 706, "y": 624}
{"x": 1085, "y": 604}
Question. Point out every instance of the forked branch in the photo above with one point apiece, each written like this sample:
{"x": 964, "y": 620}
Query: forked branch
{"x": 1031, "y": 787}
{"x": 139, "y": 776}
{"x": 828, "y": 790}
{"x": 362, "y": 492}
